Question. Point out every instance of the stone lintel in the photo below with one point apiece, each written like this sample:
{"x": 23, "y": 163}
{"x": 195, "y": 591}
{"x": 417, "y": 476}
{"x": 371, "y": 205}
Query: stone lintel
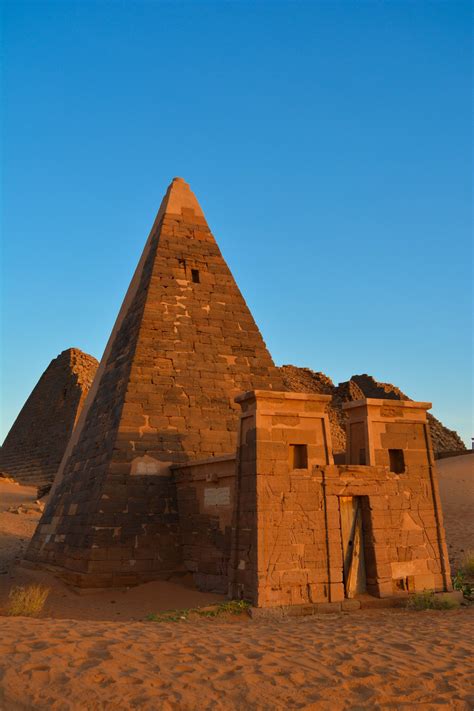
{"x": 362, "y": 469}
{"x": 378, "y": 402}
{"x": 282, "y": 395}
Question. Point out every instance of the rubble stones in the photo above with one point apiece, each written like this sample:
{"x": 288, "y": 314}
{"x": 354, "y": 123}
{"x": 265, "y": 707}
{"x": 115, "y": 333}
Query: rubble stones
{"x": 358, "y": 387}
{"x": 43, "y": 490}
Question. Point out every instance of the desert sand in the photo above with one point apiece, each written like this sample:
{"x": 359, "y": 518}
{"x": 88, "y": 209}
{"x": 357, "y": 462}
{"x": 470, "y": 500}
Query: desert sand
{"x": 96, "y": 650}
{"x": 370, "y": 660}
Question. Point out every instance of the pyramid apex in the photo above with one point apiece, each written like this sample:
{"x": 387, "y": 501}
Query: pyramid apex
{"x": 180, "y": 196}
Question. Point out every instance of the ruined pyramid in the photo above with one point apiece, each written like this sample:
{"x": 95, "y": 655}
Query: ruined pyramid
{"x": 33, "y": 449}
{"x": 445, "y": 442}
{"x": 183, "y": 346}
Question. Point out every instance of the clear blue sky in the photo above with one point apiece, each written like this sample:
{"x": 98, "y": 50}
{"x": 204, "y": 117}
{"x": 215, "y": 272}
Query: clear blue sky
{"x": 329, "y": 144}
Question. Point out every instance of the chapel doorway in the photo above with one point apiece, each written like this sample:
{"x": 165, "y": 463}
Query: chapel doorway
{"x": 352, "y": 532}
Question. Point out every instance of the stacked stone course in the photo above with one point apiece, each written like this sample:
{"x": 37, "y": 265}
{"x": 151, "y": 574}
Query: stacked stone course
{"x": 287, "y": 535}
{"x": 279, "y": 546}
{"x": 184, "y": 345}
{"x": 205, "y": 491}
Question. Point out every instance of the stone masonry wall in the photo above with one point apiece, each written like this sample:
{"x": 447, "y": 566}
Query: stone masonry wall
{"x": 279, "y": 546}
{"x": 414, "y": 508}
{"x": 287, "y": 536}
{"x": 205, "y": 491}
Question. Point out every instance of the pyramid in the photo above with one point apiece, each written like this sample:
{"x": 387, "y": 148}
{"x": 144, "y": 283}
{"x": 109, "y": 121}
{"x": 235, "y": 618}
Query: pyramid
{"x": 33, "y": 449}
{"x": 183, "y": 346}
{"x": 444, "y": 440}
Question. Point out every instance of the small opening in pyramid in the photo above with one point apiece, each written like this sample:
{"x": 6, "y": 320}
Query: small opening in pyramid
{"x": 195, "y": 276}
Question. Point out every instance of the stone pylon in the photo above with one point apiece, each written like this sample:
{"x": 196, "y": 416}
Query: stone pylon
{"x": 33, "y": 449}
{"x": 183, "y": 346}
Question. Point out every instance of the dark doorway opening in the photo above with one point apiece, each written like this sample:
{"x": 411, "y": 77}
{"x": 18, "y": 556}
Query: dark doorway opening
{"x": 350, "y": 508}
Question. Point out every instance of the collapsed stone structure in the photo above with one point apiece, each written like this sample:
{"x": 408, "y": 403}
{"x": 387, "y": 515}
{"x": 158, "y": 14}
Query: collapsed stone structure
{"x": 445, "y": 441}
{"x": 35, "y": 444}
{"x": 191, "y": 454}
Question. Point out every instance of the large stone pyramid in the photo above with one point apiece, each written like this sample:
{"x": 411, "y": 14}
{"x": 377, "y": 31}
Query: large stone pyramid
{"x": 33, "y": 449}
{"x": 183, "y": 346}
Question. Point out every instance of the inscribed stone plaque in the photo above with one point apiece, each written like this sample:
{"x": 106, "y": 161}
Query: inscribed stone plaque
{"x": 217, "y": 497}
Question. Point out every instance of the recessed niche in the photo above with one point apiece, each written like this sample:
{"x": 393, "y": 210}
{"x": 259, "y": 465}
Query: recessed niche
{"x": 195, "y": 276}
{"x": 298, "y": 456}
{"x": 397, "y": 461}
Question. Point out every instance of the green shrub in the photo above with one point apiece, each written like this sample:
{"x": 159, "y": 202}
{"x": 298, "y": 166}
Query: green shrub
{"x": 460, "y": 583}
{"x": 27, "y": 601}
{"x": 233, "y": 607}
{"x": 168, "y": 616}
{"x": 427, "y": 600}
{"x": 467, "y": 563}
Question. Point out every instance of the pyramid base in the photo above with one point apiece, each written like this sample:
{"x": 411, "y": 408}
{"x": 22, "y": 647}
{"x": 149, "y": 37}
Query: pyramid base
{"x": 101, "y": 580}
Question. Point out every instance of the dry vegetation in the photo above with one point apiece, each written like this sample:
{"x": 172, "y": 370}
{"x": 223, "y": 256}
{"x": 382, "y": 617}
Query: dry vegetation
{"x": 27, "y": 601}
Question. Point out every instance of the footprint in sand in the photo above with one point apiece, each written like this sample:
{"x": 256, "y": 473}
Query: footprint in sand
{"x": 107, "y": 682}
{"x": 97, "y": 653}
{"x": 39, "y": 645}
{"x": 134, "y": 680}
{"x": 88, "y": 664}
{"x": 365, "y": 691}
{"x": 39, "y": 674}
{"x": 402, "y": 646}
{"x": 360, "y": 673}
{"x": 298, "y": 678}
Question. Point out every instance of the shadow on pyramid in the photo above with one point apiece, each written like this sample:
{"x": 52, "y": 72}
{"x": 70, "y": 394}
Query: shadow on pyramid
{"x": 183, "y": 346}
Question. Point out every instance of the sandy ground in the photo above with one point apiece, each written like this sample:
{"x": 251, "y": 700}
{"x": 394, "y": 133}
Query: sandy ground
{"x": 15, "y": 529}
{"x": 65, "y": 602}
{"x": 370, "y": 660}
{"x": 95, "y": 651}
